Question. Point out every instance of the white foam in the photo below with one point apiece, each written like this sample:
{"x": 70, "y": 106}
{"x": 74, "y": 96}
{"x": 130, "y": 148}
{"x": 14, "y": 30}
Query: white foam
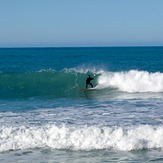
{"x": 47, "y": 70}
{"x": 83, "y": 138}
{"x": 84, "y": 70}
{"x": 132, "y": 81}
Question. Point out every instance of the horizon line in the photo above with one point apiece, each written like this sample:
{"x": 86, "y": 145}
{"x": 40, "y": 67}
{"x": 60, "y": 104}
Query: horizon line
{"x": 116, "y": 46}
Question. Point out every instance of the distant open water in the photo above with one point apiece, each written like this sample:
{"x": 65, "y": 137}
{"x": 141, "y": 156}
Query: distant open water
{"x": 45, "y": 117}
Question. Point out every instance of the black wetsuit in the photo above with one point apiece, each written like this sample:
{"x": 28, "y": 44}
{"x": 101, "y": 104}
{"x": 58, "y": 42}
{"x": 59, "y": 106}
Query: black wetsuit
{"x": 88, "y": 81}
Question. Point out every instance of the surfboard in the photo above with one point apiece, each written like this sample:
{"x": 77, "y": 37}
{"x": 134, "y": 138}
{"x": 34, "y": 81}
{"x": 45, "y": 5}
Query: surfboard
{"x": 87, "y": 89}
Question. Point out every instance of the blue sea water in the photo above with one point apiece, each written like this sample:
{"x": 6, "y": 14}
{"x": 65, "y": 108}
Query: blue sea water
{"x": 45, "y": 117}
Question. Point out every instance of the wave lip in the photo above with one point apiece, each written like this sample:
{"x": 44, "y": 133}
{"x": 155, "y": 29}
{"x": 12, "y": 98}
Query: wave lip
{"x": 83, "y": 138}
{"x": 132, "y": 81}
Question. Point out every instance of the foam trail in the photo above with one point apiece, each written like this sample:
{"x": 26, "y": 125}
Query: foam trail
{"x": 83, "y": 138}
{"x": 132, "y": 81}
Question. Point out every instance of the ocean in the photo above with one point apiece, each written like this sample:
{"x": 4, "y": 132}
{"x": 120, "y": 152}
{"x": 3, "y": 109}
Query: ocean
{"x": 46, "y": 118}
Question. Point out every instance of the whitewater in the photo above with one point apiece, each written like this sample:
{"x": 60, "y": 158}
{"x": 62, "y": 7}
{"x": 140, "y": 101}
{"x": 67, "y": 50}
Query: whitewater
{"x": 132, "y": 81}
{"x": 45, "y": 117}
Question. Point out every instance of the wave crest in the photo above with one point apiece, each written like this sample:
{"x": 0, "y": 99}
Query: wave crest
{"x": 132, "y": 81}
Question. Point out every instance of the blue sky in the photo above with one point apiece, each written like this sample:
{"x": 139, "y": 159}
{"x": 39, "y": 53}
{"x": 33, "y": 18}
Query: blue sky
{"x": 62, "y": 23}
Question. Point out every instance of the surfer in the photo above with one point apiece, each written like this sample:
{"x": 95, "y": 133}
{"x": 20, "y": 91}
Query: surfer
{"x": 88, "y": 81}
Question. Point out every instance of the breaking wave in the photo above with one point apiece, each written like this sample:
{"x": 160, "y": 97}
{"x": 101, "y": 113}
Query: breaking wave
{"x": 81, "y": 138}
{"x": 66, "y": 83}
{"x": 132, "y": 81}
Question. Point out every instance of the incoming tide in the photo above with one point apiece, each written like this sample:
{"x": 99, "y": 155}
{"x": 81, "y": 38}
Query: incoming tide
{"x": 45, "y": 117}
